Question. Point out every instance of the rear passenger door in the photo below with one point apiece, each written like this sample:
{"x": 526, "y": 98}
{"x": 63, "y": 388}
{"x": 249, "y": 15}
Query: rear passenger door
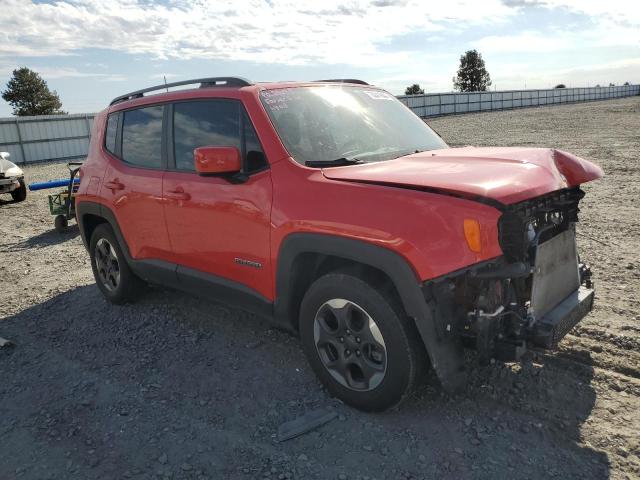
{"x": 218, "y": 226}
{"x": 132, "y": 184}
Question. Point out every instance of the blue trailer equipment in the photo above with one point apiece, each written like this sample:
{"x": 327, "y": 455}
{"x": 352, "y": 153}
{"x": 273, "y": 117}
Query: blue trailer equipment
{"x": 51, "y": 184}
{"x": 62, "y": 204}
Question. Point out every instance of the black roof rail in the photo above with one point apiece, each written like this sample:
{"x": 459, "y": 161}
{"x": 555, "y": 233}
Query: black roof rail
{"x": 345, "y": 80}
{"x": 204, "y": 83}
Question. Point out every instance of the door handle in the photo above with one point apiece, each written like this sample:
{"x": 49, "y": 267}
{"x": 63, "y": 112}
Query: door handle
{"x": 114, "y": 185}
{"x": 178, "y": 194}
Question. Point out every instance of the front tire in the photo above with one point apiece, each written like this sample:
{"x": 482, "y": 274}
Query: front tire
{"x": 359, "y": 342}
{"x": 111, "y": 271}
{"x": 20, "y": 193}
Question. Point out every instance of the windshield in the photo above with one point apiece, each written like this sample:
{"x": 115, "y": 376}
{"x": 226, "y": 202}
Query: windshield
{"x": 325, "y": 123}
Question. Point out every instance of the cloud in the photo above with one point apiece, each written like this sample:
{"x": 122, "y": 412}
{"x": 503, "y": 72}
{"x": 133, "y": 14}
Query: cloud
{"x": 162, "y": 76}
{"x": 289, "y": 32}
{"x": 539, "y": 42}
{"x": 624, "y": 11}
{"x": 523, "y": 3}
{"x": 63, "y": 72}
{"x": 361, "y": 34}
{"x": 528, "y": 41}
{"x": 53, "y": 72}
{"x": 618, "y": 71}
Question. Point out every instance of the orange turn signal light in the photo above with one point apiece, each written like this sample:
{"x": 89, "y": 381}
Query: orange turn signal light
{"x": 472, "y": 234}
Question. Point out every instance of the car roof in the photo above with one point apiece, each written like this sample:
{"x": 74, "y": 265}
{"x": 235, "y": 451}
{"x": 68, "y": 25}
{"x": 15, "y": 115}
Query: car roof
{"x": 219, "y": 83}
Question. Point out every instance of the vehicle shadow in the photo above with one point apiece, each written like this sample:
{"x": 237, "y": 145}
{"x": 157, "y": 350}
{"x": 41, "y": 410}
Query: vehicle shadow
{"x": 513, "y": 420}
{"x": 206, "y": 387}
{"x": 45, "y": 239}
{"x": 5, "y": 201}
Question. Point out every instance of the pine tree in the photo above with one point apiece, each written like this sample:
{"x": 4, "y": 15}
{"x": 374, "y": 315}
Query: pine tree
{"x": 472, "y": 74}
{"x": 28, "y": 94}
{"x": 414, "y": 90}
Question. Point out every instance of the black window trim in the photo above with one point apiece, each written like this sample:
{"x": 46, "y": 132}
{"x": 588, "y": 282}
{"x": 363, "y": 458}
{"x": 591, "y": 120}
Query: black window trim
{"x": 163, "y": 147}
{"x": 242, "y": 112}
{"x": 118, "y": 146}
{"x": 118, "y": 118}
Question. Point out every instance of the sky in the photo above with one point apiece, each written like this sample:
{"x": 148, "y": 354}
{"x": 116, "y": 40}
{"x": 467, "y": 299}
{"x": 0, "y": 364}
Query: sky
{"x": 91, "y": 51}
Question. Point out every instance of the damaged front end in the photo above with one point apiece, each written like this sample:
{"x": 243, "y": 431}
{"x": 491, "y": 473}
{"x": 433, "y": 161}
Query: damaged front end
{"x": 532, "y": 295}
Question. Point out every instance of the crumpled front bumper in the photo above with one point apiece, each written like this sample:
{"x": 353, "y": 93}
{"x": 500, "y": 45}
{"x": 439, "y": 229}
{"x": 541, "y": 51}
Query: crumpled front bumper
{"x": 561, "y": 294}
{"x": 8, "y": 185}
{"x": 550, "y": 329}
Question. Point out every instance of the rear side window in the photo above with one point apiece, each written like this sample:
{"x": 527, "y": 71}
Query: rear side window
{"x": 110, "y": 134}
{"x": 142, "y": 137}
{"x": 220, "y": 123}
{"x": 201, "y": 124}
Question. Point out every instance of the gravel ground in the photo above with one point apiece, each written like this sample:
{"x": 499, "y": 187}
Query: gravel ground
{"x": 175, "y": 387}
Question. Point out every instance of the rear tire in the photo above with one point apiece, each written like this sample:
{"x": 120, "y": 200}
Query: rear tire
{"x": 359, "y": 342}
{"x": 20, "y": 193}
{"x": 111, "y": 271}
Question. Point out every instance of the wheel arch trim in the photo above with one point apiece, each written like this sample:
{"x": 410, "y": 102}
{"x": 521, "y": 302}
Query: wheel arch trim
{"x": 383, "y": 259}
{"x": 446, "y": 354}
{"x": 84, "y": 208}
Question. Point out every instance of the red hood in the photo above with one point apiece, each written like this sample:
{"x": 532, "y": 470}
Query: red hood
{"x": 507, "y": 175}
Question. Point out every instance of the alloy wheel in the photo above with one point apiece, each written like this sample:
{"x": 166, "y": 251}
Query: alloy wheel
{"x": 350, "y": 344}
{"x": 107, "y": 264}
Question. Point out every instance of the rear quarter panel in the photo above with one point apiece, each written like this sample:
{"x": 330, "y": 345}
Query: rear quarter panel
{"x": 93, "y": 168}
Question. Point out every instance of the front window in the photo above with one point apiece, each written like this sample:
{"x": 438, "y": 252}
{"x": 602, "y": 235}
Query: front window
{"x": 218, "y": 123}
{"x": 203, "y": 123}
{"x": 327, "y": 123}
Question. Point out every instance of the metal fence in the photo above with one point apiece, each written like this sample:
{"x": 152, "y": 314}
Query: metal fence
{"x": 66, "y": 137}
{"x": 437, "y": 104}
{"x": 47, "y": 137}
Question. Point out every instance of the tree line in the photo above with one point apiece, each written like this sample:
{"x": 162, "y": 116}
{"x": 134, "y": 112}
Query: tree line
{"x": 29, "y": 94}
{"x": 472, "y": 76}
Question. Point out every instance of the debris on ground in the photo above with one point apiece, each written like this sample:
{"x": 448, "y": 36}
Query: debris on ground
{"x": 304, "y": 424}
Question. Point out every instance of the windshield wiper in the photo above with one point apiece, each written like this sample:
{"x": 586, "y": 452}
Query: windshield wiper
{"x": 338, "y": 162}
{"x": 410, "y": 152}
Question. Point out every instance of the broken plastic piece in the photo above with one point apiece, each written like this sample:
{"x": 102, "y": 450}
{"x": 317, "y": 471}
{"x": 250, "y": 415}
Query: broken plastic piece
{"x": 305, "y": 423}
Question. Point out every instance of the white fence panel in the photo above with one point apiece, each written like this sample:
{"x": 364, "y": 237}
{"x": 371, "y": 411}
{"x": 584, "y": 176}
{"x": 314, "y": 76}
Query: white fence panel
{"x": 448, "y": 103}
{"x": 46, "y": 137}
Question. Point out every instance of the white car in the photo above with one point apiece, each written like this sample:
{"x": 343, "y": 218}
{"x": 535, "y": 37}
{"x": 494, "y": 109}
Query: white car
{"x": 12, "y": 178}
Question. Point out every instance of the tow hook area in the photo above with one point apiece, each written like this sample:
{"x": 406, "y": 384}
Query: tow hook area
{"x": 487, "y": 331}
{"x": 489, "y": 308}
{"x": 585, "y": 275}
{"x": 490, "y": 339}
{"x": 550, "y": 329}
{"x": 480, "y": 306}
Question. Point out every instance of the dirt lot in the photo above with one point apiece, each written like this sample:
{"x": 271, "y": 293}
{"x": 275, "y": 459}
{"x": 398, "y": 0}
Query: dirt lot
{"x": 174, "y": 387}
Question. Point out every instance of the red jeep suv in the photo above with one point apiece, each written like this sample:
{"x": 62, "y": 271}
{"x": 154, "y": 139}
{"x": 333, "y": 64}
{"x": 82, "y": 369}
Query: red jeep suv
{"x": 331, "y": 209}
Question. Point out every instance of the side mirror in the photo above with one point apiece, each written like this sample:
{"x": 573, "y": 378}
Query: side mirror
{"x": 216, "y": 160}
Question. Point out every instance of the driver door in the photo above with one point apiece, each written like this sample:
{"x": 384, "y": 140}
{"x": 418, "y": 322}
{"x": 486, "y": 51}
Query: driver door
{"x": 218, "y": 227}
